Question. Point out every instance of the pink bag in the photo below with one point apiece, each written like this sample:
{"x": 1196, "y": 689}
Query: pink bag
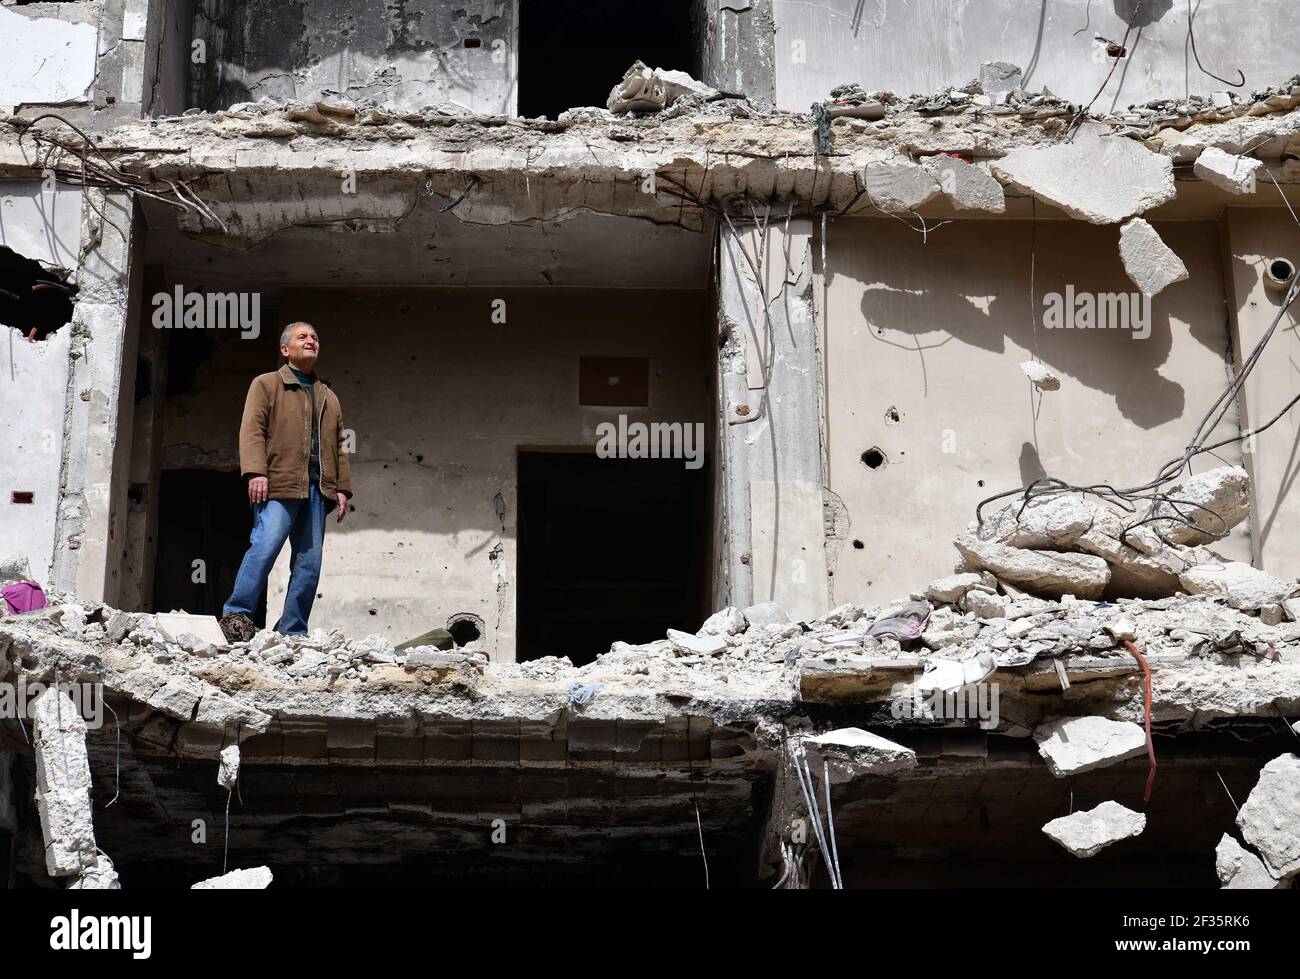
{"x": 25, "y": 596}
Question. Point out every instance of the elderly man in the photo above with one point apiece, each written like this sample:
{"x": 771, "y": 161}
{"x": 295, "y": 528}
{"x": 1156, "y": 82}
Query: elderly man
{"x": 290, "y": 451}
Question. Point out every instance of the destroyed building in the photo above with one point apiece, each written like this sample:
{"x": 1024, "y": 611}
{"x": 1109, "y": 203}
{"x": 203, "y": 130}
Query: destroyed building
{"x": 833, "y": 299}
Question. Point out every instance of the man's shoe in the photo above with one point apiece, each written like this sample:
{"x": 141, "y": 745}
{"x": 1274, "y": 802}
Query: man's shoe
{"x": 238, "y": 627}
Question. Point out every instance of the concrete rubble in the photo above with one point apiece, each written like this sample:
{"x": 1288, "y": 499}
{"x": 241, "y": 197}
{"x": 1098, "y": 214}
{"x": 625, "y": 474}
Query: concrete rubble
{"x": 1235, "y": 174}
{"x": 852, "y": 752}
{"x": 1151, "y": 264}
{"x": 1269, "y": 819}
{"x": 1042, "y": 378}
{"x": 1071, "y": 745}
{"x": 228, "y": 769}
{"x": 646, "y": 89}
{"x": 1087, "y": 832}
{"x": 254, "y": 879}
{"x": 1240, "y": 870}
{"x": 63, "y": 785}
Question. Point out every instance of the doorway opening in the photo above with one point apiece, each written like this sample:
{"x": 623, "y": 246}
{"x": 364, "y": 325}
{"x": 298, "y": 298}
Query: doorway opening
{"x": 609, "y": 549}
{"x": 572, "y": 54}
{"x": 204, "y": 521}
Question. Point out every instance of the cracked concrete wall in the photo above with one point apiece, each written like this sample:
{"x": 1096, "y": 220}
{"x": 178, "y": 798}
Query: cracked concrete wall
{"x": 1252, "y": 237}
{"x": 924, "y": 343}
{"x": 770, "y": 417}
{"x": 409, "y": 54}
{"x": 923, "y": 45}
{"x": 736, "y": 39}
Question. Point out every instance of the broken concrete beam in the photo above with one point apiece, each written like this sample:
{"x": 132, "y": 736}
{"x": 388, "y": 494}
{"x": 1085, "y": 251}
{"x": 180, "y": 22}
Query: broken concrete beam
{"x": 1087, "y": 832}
{"x": 953, "y": 587}
{"x": 228, "y": 767}
{"x": 1097, "y": 178}
{"x": 1071, "y": 745}
{"x": 1224, "y": 491}
{"x": 1240, "y": 585}
{"x": 1149, "y": 262}
{"x": 970, "y": 188}
{"x": 1269, "y": 819}
{"x": 852, "y": 751}
{"x": 1041, "y": 572}
{"x": 1240, "y": 870}
{"x": 899, "y": 186}
{"x": 63, "y": 784}
{"x": 101, "y": 876}
{"x": 729, "y": 621}
{"x": 1042, "y": 378}
{"x": 255, "y": 879}
{"x": 1235, "y": 174}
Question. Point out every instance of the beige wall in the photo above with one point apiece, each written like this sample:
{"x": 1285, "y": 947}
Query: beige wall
{"x": 1253, "y": 236}
{"x": 440, "y": 398}
{"x": 938, "y": 330}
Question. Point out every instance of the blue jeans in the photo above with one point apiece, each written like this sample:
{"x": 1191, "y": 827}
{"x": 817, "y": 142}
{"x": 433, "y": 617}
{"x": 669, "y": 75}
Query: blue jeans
{"x": 302, "y": 523}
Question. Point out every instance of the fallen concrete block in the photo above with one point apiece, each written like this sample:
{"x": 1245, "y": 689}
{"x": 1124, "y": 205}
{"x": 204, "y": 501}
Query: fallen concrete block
{"x": 766, "y": 613}
{"x": 1087, "y": 832}
{"x": 686, "y": 643}
{"x": 899, "y": 186}
{"x": 256, "y": 879}
{"x": 204, "y": 628}
{"x": 1043, "y": 378}
{"x": 101, "y": 876}
{"x": 1269, "y": 819}
{"x": 63, "y": 784}
{"x": 953, "y": 587}
{"x": 1149, "y": 262}
{"x": 1240, "y": 870}
{"x": 970, "y": 188}
{"x": 1235, "y": 174}
{"x": 1224, "y": 490}
{"x": 228, "y": 767}
{"x": 1000, "y": 76}
{"x": 1041, "y": 572}
{"x": 645, "y": 89}
{"x": 729, "y": 621}
{"x": 1071, "y": 745}
{"x": 985, "y": 604}
{"x": 1097, "y": 178}
{"x": 852, "y": 752}
{"x": 1239, "y": 584}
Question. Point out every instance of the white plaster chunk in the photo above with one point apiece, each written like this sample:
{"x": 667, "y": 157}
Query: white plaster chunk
{"x": 984, "y": 604}
{"x": 1239, "y": 584}
{"x": 729, "y": 621}
{"x": 1087, "y": 832}
{"x": 100, "y": 876}
{"x": 1096, "y": 178}
{"x": 645, "y": 89}
{"x": 204, "y": 628}
{"x": 899, "y": 186}
{"x": 63, "y": 784}
{"x": 852, "y": 752}
{"x": 1235, "y": 174}
{"x": 255, "y": 879}
{"x": 1042, "y": 378}
{"x": 1269, "y": 819}
{"x": 1241, "y": 870}
{"x": 1071, "y": 745}
{"x": 1000, "y": 76}
{"x": 1225, "y": 490}
{"x": 1040, "y": 572}
{"x": 228, "y": 767}
{"x": 970, "y": 188}
{"x": 953, "y": 587}
{"x": 686, "y": 643}
{"x": 766, "y": 613}
{"x": 1150, "y": 263}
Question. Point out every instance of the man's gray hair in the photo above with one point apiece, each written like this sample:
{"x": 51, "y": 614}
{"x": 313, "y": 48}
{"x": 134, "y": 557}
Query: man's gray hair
{"x": 285, "y": 336}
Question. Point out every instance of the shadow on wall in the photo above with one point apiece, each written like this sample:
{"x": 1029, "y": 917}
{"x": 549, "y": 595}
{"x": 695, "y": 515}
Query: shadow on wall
{"x": 934, "y": 293}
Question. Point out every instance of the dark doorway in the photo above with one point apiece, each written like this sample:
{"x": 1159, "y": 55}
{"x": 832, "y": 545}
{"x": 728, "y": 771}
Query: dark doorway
{"x": 572, "y": 54}
{"x": 609, "y": 549}
{"x": 203, "y": 515}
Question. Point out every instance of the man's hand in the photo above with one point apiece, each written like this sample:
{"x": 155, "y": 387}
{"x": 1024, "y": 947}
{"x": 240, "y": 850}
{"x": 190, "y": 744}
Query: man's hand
{"x": 343, "y": 506}
{"x": 257, "y": 489}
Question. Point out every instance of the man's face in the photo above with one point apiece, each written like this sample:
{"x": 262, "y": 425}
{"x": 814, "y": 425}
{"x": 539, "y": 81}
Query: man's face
{"x": 303, "y": 348}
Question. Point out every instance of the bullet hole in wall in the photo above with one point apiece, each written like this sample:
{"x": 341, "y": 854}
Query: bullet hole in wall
{"x": 873, "y": 458}
{"x": 893, "y": 416}
{"x": 858, "y": 545}
{"x": 465, "y": 628}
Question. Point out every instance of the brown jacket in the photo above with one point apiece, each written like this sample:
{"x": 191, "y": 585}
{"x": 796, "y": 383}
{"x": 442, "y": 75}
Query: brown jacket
{"x": 275, "y": 437}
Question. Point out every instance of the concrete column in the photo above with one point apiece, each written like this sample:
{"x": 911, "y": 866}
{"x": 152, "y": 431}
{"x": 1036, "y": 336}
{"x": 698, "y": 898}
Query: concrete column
{"x": 736, "y": 47}
{"x": 96, "y": 431}
{"x": 1253, "y": 236}
{"x": 774, "y": 543}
